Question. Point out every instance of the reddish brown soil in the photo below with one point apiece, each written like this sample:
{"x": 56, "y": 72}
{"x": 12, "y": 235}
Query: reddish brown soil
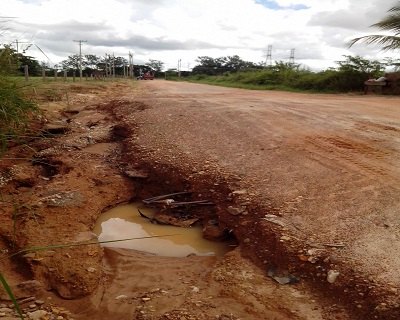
{"x": 325, "y": 165}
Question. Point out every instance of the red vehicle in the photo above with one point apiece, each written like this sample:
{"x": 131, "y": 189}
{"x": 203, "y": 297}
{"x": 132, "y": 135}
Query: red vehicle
{"x": 148, "y": 76}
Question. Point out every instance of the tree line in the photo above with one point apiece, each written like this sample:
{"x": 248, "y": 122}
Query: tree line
{"x": 349, "y": 75}
{"x": 12, "y": 63}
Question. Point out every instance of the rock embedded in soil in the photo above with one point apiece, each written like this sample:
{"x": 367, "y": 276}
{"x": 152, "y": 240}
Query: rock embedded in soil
{"x": 235, "y": 210}
{"x": 37, "y": 315}
{"x": 136, "y": 174}
{"x": 332, "y": 276}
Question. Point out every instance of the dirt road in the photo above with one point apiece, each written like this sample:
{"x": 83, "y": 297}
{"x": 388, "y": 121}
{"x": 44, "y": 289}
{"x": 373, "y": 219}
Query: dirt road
{"x": 326, "y": 165}
{"x": 308, "y": 185}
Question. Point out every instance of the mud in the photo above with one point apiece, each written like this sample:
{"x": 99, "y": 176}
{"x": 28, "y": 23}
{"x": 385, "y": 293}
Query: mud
{"x": 125, "y": 222}
{"x": 54, "y": 191}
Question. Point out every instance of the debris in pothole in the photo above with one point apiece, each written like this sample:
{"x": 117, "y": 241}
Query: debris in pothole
{"x": 332, "y": 276}
{"x": 174, "y": 209}
{"x": 282, "y": 277}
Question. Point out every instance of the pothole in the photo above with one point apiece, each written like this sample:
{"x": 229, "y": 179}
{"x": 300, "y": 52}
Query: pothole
{"x": 50, "y": 167}
{"x": 52, "y": 130}
{"x": 134, "y": 221}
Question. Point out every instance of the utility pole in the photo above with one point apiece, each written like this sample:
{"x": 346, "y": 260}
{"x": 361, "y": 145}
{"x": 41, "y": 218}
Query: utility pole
{"x": 80, "y": 56}
{"x": 179, "y": 67}
{"x": 130, "y": 65}
{"x": 113, "y": 66}
{"x": 106, "y": 65}
{"x": 17, "y": 43}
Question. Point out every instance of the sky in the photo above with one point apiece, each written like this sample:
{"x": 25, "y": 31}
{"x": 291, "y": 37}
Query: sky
{"x": 172, "y": 30}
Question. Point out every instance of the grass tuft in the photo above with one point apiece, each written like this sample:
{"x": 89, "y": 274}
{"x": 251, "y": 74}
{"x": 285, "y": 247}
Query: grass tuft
{"x": 15, "y": 110}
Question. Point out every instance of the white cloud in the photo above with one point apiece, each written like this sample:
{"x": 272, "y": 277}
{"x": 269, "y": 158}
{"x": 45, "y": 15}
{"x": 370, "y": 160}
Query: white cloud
{"x": 169, "y": 30}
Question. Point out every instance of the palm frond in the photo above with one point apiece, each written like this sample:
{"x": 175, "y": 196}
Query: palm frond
{"x": 387, "y": 42}
{"x": 389, "y": 23}
{"x": 395, "y": 8}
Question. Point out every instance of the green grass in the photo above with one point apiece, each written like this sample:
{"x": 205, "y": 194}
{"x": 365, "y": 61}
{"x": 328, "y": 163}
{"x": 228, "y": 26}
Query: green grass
{"x": 15, "y": 109}
{"x": 329, "y": 81}
{"x": 248, "y": 86}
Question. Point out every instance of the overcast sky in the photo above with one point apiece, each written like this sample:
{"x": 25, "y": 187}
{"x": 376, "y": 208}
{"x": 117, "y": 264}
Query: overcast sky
{"x": 169, "y": 30}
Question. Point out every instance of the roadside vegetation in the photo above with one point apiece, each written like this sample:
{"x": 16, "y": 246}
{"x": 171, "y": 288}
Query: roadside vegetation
{"x": 15, "y": 107}
{"x": 349, "y": 75}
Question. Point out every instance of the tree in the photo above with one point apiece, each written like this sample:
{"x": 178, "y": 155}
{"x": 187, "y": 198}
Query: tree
{"x": 357, "y": 64}
{"x": 207, "y": 65}
{"x": 8, "y": 60}
{"x": 33, "y": 65}
{"x": 390, "y": 23}
{"x": 211, "y": 66}
{"x": 156, "y": 65}
{"x": 282, "y": 66}
{"x": 72, "y": 62}
{"x": 91, "y": 61}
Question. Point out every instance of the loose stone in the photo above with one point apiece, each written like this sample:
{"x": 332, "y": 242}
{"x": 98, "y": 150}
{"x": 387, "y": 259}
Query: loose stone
{"x": 332, "y": 276}
{"x": 37, "y": 315}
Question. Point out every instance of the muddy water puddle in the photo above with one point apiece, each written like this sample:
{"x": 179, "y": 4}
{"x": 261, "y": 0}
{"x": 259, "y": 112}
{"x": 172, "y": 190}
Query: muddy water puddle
{"x": 124, "y": 222}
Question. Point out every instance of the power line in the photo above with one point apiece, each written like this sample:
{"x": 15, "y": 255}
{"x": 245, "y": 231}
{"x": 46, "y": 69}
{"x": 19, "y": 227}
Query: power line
{"x": 17, "y": 42}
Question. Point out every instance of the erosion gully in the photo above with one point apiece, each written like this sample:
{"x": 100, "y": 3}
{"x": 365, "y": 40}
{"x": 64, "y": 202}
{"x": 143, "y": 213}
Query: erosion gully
{"x": 90, "y": 165}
